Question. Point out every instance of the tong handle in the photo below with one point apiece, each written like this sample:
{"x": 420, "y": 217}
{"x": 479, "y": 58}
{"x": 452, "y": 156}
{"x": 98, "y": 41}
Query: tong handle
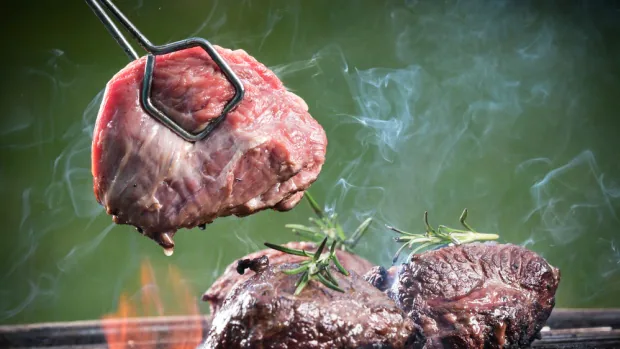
{"x": 154, "y": 50}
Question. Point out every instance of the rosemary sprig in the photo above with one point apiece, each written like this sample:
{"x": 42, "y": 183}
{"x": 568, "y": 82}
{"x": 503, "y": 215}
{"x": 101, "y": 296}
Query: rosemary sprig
{"x": 324, "y": 228}
{"x": 437, "y": 238}
{"x": 316, "y": 267}
{"x": 328, "y": 226}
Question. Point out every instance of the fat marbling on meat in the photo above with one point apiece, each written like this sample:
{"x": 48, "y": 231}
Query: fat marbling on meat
{"x": 262, "y": 312}
{"x": 478, "y": 295}
{"x": 218, "y": 291}
{"x": 263, "y": 155}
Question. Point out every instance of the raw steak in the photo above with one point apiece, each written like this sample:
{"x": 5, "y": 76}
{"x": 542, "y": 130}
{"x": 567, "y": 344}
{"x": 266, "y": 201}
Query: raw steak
{"x": 216, "y": 294}
{"x": 263, "y": 155}
{"x": 474, "y": 295}
{"x": 262, "y": 312}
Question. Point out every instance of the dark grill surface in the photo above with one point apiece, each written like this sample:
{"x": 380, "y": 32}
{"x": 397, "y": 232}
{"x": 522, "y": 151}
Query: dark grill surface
{"x": 567, "y": 328}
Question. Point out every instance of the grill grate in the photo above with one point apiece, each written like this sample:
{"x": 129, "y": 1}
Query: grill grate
{"x": 566, "y": 328}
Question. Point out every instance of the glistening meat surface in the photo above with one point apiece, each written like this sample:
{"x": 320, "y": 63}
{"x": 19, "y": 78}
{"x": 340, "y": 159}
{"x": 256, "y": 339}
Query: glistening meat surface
{"x": 263, "y": 155}
{"x": 474, "y": 295}
{"x": 216, "y": 294}
{"x": 262, "y": 312}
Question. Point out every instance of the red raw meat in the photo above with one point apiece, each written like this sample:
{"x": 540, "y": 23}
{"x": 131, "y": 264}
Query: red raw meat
{"x": 263, "y": 155}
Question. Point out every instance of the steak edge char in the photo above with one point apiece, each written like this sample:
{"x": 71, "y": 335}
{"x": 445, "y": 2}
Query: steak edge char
{"x": 218, "y": 291}
{"x": 474, "y": 295}
{"x": 262, "y": 312}
{"x": 263, "y": 155}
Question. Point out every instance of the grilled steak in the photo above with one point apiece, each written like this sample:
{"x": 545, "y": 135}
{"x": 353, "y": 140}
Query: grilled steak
{"x": 262, "y": 312}
{"x": 216, "y": 294}
{"x": 263, "y": 155}
{"x": 473, "y": 296}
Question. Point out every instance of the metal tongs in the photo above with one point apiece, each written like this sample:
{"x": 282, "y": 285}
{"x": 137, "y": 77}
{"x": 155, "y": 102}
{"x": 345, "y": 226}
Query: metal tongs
{"x": 145, "y": 95}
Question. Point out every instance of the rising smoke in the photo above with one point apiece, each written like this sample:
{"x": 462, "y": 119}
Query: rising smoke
{"x": 59, "y": 197}
{"x": 488, "y": 110}
{"x": 494, "y": 106}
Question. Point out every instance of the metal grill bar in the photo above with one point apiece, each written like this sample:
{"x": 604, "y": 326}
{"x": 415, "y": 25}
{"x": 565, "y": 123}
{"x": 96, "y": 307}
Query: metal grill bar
{"x": 570, "y": 328}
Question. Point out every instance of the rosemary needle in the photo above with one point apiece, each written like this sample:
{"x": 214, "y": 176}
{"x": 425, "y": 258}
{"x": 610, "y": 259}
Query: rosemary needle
{"x": 437, "y": 238}
{"x": 324, "y": 227}
{"x": 316, "y": 268}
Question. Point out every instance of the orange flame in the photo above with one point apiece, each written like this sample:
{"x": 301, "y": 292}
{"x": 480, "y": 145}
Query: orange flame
{"x": 134, "y": 325}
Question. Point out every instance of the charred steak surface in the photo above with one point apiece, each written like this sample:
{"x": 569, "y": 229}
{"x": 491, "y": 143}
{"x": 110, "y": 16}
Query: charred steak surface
{"x": 473, "y": 296}
{"x": 216, "y": 294}
{"x": 262, "y": 312}
{"x": 263, "y": 155}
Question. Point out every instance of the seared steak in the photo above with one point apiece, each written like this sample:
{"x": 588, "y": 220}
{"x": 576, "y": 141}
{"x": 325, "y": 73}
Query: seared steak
{"x": 474, "y": 295}
{"x": 263, "y": 155}
{"x": 262, "y": 312}
{"x": 216, "y": 294}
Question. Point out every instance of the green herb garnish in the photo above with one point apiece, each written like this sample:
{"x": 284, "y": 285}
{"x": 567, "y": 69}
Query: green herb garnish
{"x": 316, "y": 268}
{"x": 328, "y": 226}
{"x": 324, "y": 228}
{"x": 437, "y": 238}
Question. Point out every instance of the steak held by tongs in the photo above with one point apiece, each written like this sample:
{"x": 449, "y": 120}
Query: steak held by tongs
{"x": 192, "y": 132}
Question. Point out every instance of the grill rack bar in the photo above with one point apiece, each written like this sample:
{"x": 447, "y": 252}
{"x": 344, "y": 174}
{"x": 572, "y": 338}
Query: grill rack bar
{"x": 569, "y": 328}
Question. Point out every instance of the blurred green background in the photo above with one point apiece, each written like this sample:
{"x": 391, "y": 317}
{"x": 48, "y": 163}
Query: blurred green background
{"x": 508, "y": 108}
